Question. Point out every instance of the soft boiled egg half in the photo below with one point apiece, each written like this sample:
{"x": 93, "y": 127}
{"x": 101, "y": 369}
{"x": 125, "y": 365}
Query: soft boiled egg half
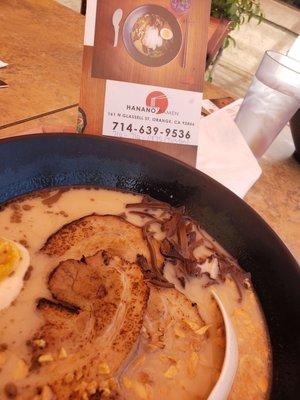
{"x": 14, "y": 262}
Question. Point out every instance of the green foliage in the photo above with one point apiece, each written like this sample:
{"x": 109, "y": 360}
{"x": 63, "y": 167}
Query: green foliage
{"x": 237, "y": 11}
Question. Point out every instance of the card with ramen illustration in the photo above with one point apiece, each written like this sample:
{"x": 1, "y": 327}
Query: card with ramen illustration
{"x": 143, "y": 72}
{"x": 158, "y": 42}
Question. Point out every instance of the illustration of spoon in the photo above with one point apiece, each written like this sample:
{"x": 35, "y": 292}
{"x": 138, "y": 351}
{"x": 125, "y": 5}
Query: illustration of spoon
{"x": 223, "y": 386}
{"x": 117, "y": 18}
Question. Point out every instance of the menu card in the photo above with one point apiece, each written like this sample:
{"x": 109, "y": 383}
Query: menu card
{"x": 143, "y": 72}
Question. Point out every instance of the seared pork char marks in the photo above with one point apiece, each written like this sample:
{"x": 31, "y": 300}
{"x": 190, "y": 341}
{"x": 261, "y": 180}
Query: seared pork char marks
{"x": 89, "y": 234}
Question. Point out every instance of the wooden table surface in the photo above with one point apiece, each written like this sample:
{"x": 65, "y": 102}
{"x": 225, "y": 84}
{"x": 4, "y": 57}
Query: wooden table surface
{"x": 42, "y": 42}
{"x": 275, "y": 196}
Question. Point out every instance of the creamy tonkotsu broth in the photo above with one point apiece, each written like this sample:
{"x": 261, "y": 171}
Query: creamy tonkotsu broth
{"x": 179, "y": 344}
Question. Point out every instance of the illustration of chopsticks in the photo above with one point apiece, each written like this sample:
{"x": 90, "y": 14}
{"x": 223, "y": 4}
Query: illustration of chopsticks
{"x": 185, "y": 43}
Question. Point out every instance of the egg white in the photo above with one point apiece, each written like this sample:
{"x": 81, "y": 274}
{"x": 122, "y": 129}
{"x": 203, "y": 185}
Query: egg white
{"x": 11, "y": 286}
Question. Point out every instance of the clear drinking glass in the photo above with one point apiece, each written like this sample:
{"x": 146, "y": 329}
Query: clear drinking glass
{"x": 272, "y": 99}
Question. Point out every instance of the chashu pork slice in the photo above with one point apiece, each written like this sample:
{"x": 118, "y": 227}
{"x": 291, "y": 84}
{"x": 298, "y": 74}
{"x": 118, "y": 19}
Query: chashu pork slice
{"x": 91, "y": 324}
{"x": 89, "y": 234}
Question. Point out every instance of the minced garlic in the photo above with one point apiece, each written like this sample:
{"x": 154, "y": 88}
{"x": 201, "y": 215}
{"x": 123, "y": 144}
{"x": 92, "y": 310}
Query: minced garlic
{"x": 40, "y": 343}
{"x": 103, "y": 368}
{"x": 171, "y": 372}
{"x": 44, "y": 358}
{"x": 203, "y": 330}
{"x": 62, "y": 354}
{"x": 192, "y": 324}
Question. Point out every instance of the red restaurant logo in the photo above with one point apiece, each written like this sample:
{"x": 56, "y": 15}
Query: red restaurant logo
{"x": 157, "y": 100}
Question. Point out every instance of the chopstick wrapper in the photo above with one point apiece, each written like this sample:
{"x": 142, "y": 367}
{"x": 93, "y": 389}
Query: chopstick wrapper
{"x": 224, "y": 155}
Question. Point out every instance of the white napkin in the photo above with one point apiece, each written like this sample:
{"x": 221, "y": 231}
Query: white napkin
{"x": 224, "y": 155}
{"x": 294, "y": 51}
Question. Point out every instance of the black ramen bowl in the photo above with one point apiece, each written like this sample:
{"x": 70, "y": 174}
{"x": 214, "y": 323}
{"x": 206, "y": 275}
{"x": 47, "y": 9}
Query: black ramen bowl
{"x": 174, "y": 49}
{"x": 34, "y": 162}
